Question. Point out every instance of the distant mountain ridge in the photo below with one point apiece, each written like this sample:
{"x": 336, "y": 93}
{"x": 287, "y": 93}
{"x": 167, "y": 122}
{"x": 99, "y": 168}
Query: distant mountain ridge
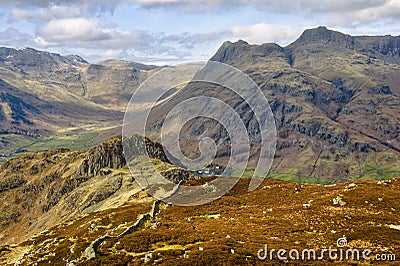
{"x": 386, "y": 48}
{"x": 336, "y": 102}
{"x": 43, "y": 93}
{"x": 27, "y": 58}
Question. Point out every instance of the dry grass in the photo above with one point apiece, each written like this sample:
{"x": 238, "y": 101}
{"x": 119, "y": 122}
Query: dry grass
{"x": 232, "y": 229}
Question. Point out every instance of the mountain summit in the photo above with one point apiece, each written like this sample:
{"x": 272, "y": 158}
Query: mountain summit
{"x": 324, "y": 36}
{"x": 386, "y": 48}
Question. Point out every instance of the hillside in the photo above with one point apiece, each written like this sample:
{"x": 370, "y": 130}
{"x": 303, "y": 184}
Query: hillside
{"x": 335, "y": 98}
{"x": 85, "y": 208}
{"x": 40, "y": 190}
{"x": 105, "y": 219}
{"x": 48, "y": 95}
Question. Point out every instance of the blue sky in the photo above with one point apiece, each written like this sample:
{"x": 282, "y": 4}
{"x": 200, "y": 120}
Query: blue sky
{"x": 173, "y": 31}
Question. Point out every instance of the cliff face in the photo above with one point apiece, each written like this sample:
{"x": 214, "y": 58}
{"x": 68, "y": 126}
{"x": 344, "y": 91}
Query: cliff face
{"x": 322, "y": 35}
{"x": 111, "y": 154}
{"x": 107, "y": 155}
{"x": 386, "y": 48}
{"x": 230, "y": 50}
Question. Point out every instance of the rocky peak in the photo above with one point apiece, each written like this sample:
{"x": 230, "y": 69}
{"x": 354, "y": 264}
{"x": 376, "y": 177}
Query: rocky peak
{"x": 111, "y": 154}
{"x": 77, "y": 59}
{"x": 324, "y": 36}
{"x": 317, "y": 40}
{"x": 230, "y": 50}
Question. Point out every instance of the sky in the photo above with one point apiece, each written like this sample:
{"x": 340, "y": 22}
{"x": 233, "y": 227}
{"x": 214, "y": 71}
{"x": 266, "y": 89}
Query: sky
{"x": 174, "y": 31}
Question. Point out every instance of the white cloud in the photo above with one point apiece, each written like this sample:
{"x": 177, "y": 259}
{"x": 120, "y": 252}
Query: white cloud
{"x": 74, "y": 24}
{"x": 14, "y": 37}
{"x": 110, "y": 53}
{"x": 189, "y": 40}
{"x": 45, "y": 13}
{"x": 265, "y": 33}
{"x": 391, "y": 10}
{"x": 41, "y": 42}
{"x": 74, "y": 29}
{"x": 327, "y": 12}
{"x": 285, "y": 6}
{"x": 323, "y": 5}
{"x": 46, "y": 3}
{"x": 93, "y": 33}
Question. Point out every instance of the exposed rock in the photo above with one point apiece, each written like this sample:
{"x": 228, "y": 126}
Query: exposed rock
{"x": 137, "y": 145}
{"x": 338, "y": 201}
{"x": 11, "y": 183}
{"x": 393, "y": 226}
{"x": 108, "y": 155}
{"x": 209, "y": 188}
{"x": 89, "y": 253}
{"x": 350, "y": 186}
{"x": 112, "y": 185}
{"x": 322, "y": 35}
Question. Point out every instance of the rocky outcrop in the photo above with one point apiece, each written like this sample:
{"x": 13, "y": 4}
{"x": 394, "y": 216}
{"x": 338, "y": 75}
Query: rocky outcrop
{"x": 230, "y": 52}
{"x": 178, "y": 175}
{"x": 315, "y": 40}
{"x": 322, "y": 35}
{"x": 11, "y": 183}
{"x": 137, "y": 145}
{"x": 109, "y": 154}
{"x": 107, "y": 190}
{"x": 386, "y": 48}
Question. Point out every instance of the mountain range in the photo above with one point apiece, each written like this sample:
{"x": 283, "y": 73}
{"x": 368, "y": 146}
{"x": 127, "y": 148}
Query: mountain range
{"x": 335, "y": 99}
{"x": 68, "y": 197}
